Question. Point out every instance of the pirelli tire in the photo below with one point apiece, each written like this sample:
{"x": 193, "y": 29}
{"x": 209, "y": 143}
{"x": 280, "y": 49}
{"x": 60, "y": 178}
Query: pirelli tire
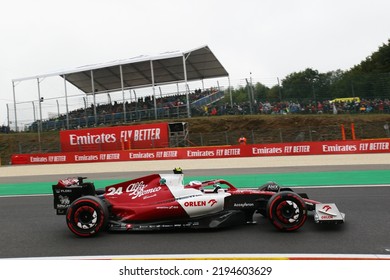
{"x": 87, "y": 216}
{"x": 287, "y": 211}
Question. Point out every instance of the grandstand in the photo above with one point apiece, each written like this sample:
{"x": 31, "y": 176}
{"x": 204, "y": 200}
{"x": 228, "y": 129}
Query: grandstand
{"x": 129, "y": 74}
{"x": 171, "y": 106}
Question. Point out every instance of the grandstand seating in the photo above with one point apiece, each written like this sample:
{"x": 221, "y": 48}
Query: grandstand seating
{"x": 168, "y": 107}
{"x": 207, "y": 102}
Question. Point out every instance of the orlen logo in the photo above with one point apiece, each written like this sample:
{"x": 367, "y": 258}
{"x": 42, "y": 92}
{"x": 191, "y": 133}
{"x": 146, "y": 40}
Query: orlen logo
{"x": 326, "y": 208}
{"x": 328, "y": 217}
{"x": 194, "y": 203}
{"x": 211, "y": 202}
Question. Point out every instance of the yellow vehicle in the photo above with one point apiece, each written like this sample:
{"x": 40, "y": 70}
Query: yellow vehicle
{"x": 345, "y": 99}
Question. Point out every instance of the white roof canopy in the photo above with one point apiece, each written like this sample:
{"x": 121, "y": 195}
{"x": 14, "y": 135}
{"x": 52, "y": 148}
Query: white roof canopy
{"x": 165, "y": 68}
{"x": 136, "y": 72}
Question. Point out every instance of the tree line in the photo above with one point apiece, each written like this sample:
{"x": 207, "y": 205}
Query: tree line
{"x": 368, "y": 80}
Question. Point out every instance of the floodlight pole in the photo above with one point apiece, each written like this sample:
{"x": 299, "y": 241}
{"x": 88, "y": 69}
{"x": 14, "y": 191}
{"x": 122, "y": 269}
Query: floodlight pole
{"x": 136, "y": 103}
{"x": 123, "y": 93}
{"x": 230, "y": 93}
{"x": 40, "y": 116}
{"x": 66, "y": 103}
{"x": 35, "y": 119}
{"x": 154, "y": 90}
{"x": 7, "y": 115}
{"x": 161, "y": 95}
{"x": 58, "y": 108}
{"x": 250, "y": 99}
{"x": 16, "y": 115}
{"x": 185, "y": 80}
{"x": 94, "y": 98}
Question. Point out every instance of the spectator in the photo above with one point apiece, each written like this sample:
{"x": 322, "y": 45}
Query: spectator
{"x": 242, "y": 140}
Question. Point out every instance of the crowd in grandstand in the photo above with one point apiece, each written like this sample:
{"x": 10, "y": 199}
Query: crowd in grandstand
{"x": 266, "y": 107}
{"x": 168, "y": 106}
{"x": 306, "y": 107}
{"x": 142, "y": 104}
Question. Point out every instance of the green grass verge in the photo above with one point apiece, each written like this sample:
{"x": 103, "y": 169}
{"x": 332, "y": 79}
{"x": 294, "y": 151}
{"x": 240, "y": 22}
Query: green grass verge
{"x": 371, "y": 177}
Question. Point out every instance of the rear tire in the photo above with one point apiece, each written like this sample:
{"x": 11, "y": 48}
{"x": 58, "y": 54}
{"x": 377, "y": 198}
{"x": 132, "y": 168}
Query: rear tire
{"x": 87, "y": 216}
{"x": 287, "y": 211}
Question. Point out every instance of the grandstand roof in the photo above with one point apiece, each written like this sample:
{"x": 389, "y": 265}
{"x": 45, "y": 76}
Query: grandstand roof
{"x": 143, "y": 71}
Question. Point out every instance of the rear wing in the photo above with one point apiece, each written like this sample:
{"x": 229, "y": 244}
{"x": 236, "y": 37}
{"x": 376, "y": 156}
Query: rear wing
{"x": 68, "y": 190}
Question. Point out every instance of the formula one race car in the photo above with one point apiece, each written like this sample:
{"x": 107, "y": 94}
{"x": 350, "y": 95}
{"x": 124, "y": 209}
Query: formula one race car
{"x": 162, "y": 202}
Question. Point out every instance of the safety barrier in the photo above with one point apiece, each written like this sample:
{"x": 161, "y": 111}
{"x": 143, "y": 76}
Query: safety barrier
{"x": 227, "y": 151}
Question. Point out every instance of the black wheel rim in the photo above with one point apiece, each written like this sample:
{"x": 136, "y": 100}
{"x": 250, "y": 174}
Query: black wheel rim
{"x": 288, "y": 212}
{"x": 85, "y": 217}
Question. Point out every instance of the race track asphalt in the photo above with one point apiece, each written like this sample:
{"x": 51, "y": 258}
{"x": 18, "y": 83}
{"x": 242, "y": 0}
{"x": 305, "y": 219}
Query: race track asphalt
{"x": 30, "y": 228}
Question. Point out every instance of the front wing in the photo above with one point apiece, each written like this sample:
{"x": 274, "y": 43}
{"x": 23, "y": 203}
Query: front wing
{"x": 328, "y": 213}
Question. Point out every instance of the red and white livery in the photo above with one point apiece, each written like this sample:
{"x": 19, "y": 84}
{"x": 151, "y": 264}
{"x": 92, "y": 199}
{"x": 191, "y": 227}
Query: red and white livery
{"x": 162, "y": 201}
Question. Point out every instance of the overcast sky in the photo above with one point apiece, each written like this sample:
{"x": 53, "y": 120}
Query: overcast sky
{"x": 268, "y": 38}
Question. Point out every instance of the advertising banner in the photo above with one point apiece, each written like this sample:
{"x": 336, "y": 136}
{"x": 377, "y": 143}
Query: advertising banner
{"x": 255, "y": 150}
{"x": 143, "y": 136}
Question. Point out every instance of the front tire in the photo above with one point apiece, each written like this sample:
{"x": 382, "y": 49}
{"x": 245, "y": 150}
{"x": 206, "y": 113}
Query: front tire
{"x": 87, "y": 216}
{"x": 287, "y": 211}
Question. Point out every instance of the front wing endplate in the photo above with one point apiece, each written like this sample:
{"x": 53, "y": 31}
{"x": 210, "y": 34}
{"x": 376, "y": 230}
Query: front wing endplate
{"x": 328, "y": 213}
